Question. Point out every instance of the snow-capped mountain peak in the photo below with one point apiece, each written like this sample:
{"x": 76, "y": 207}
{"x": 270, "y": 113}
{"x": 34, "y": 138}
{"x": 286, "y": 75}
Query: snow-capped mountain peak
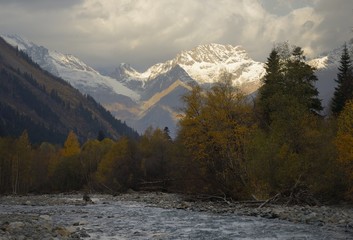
{"x": 319, "y": 63}
{"x": 19, "y": 42}
{"x": 71, "y": 69}
{"x": 205, "y": 63}
{"x": 210, "y": 53}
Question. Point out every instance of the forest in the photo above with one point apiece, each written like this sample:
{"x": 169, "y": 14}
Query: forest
{"x": 277, "y": 145}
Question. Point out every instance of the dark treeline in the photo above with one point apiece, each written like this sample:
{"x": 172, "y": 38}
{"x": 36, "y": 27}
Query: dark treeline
{"x": 276, "y": 145}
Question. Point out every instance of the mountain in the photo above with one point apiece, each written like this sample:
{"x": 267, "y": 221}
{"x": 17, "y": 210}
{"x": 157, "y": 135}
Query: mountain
{"x": 47, "y": 106}
{"x": 202, "y": 65}
{"x": 75, "y": 71}
{"x": 160, "y": 96}
{"x": 151, "y": 98}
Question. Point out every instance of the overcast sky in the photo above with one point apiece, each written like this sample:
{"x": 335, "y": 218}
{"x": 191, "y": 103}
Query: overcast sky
{"x": 104, "y": 33}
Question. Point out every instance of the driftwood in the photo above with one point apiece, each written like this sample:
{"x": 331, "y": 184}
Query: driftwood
{"x": 158, "y": 185}
{"x": 207, "y": 197}
{"x": 272, "y": 199}
{"x": 297, "y": 194}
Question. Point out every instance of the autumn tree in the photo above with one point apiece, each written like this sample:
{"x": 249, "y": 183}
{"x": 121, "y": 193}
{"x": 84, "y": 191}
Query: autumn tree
{"x": 155, "y": 156}
{"x": 215, "y": 128}
{"x": 344, "y": 90}
{"x": 21, "y": 165}
{"x": 7, "y": 148}
{"x": 92, "y": 153}
{"x": 68, "y": 172}
{"x": 344, "y": 144}
{"x": 71, "y": 145}
{"x": 46, "y": 156}
{"x": 117, "y": 170}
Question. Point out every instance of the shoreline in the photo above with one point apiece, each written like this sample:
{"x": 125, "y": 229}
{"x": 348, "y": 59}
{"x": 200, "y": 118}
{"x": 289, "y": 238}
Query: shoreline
{"x": 334, "y": 218}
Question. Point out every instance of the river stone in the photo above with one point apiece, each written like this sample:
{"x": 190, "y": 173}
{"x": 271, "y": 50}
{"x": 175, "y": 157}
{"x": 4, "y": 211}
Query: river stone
{"x": 45, "y": 217}
{"x": 15, "y": 225}
{"x": 63, "y": 232}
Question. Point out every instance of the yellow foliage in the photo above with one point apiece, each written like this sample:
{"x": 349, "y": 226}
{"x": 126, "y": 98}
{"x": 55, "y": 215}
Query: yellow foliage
{"x": 71, "y": 145}
{"x": 215, "y": 129}
{"x": 344, "y": 143}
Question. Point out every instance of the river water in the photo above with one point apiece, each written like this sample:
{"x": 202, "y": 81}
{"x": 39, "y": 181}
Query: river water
{"x": 131, "y": 220}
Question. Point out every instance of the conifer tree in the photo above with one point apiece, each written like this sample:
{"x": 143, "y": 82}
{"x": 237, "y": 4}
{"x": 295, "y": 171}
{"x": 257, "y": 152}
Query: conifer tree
{"x": 300, "y": 80}
{"x": 272, "y": 82}
{"x": 287, "y": 79}
{"x": 286, "y": 101}
{"x": 344, "y": 89}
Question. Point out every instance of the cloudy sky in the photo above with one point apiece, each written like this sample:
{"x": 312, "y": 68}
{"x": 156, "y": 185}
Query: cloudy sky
{"x": 104, "y": 33}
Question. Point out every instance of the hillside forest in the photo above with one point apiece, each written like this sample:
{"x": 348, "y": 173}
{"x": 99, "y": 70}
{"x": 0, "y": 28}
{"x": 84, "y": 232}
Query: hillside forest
{"x": 275, "y": 145}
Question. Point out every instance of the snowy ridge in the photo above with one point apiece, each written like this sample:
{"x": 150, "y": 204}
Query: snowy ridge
{"x": 319, "y": 63}
{"x": 16, "y": 41}
{"x": 70, "y": 68}
{"x": 205, "y": 64}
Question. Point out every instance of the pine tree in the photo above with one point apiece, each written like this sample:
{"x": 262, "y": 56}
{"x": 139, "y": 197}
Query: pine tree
{"x": 272, "y": 82}
{"x": 288, "y": 80}
{"x": 100, "y": 136}
{"x": 300, "y": 80}
{"x": 344, "y": 89}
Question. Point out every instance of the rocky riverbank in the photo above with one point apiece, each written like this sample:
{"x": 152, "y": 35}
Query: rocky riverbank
{"x": 37, "y": 225}
{"x": 333, "y": 217}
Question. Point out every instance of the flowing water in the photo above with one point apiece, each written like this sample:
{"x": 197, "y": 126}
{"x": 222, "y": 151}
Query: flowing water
{"x": 131, "y": 220}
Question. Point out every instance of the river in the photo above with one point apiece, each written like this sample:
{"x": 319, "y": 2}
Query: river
{"x": 131, "y": 220}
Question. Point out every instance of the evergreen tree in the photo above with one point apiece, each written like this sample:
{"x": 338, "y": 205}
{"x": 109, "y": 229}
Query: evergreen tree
{"x": 100, "y": 136}
{"x": 272, "y": 82}
{"x": 288, "y": 103}
{"x": 300, "y": 80}
{"x": 344, "y": 89}
{"x": 288, "y": 80}
{"x": 167, "y": 133}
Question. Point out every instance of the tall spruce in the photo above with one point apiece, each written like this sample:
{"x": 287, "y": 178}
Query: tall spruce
{"x": 300, "y": 81}
{"x": 272, "y": 83}
{"x": 344, "y": 89}
{"x": 288, "y": 79}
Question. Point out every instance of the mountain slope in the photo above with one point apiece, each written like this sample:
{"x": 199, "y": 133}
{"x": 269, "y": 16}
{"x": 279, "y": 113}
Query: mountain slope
{"x": 152, "y": 110}
{"x": 47, "y": 106}
{"x": 133, "y": 96}
{"x": 76, "y": 72}
{"x": 202, "y": 65}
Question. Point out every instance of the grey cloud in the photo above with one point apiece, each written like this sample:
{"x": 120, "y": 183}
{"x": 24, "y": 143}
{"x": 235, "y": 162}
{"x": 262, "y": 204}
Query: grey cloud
{"x": 336, "y": 26}
{"x": 144, "y": 32}
{"x": 42, "y": 4}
